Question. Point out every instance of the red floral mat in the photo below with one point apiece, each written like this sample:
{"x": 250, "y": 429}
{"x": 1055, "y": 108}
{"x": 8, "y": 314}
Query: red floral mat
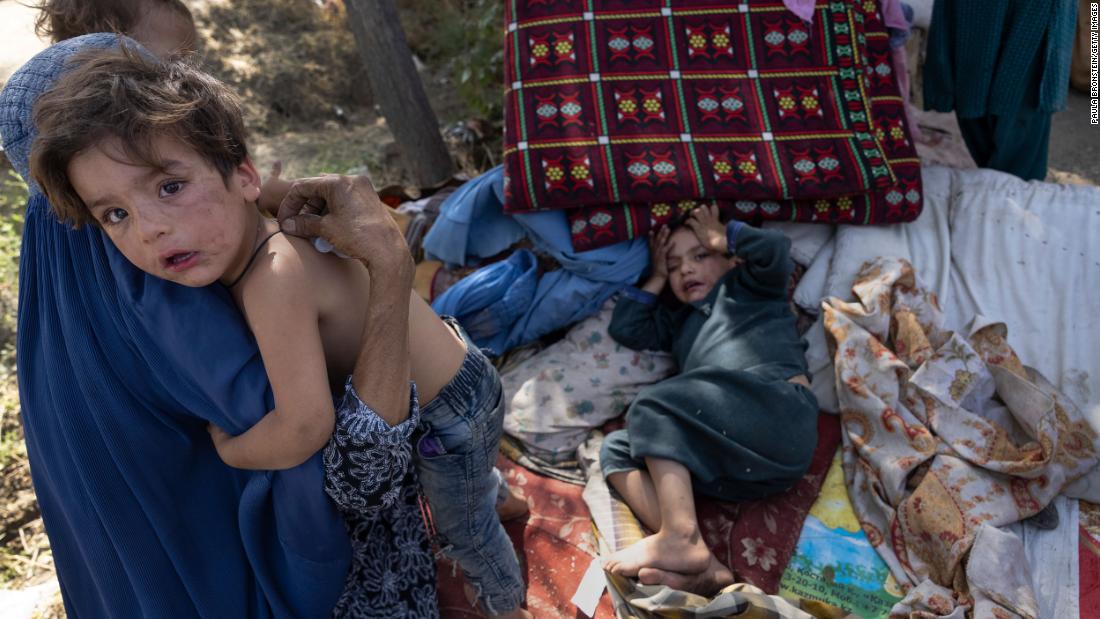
{"x": 555, "y": 540}
{"x": 756, "y": 539}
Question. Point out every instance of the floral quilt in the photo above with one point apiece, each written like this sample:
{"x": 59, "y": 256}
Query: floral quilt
{"x": 947, "y": 437}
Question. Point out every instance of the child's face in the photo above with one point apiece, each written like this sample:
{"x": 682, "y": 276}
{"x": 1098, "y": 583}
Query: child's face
{"x": 184, "y": 224}
{"x": 693, "y": 270}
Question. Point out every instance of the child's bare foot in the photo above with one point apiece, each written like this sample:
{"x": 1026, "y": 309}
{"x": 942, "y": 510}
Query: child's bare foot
{"x": 512, "y": 507}
{"x": 706, "y": 583}
{"x": 671, "y": 550}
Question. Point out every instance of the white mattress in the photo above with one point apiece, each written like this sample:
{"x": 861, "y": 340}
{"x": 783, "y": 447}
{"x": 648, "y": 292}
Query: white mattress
{"x": 1025, "y": 253}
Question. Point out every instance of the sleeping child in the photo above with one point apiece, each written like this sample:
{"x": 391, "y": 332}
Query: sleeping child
{"x": 738, "y": 422}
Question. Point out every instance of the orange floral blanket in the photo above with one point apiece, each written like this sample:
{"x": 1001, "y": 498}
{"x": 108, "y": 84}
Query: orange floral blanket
{"x": 946, "y": 437}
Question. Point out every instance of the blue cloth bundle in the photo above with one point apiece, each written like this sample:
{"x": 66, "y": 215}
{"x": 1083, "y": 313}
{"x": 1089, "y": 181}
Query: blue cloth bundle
{"x": 498, "y": 317}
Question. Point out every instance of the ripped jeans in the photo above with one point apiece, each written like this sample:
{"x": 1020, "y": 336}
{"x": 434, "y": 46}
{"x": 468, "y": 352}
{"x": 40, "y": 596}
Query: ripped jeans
{"x": 456, "y": 449}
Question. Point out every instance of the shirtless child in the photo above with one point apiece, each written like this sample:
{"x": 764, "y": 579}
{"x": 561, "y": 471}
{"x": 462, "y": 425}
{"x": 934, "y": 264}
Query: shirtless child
{"x": 154, "y": 153}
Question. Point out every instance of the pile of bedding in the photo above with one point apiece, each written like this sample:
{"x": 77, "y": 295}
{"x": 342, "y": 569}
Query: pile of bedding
{"x": 987, "y": 244}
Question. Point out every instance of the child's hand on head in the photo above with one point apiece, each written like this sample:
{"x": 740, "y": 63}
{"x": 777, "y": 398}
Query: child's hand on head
{"x": 658, "y": 253}
{"x": 273, "y": 190}
{"x": 704, "y": 222}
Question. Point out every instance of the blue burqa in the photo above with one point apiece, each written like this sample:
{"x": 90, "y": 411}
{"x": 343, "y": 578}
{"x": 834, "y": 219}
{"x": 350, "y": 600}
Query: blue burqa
{"x": 119, "y": 374}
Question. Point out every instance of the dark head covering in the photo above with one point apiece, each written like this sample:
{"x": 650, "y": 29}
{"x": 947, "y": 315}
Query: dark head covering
{"x": 119, "y": 374}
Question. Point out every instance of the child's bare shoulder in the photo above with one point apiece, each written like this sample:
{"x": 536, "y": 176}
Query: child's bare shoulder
{"x": 291, "y": 272}
{"x": 287, "y": 265}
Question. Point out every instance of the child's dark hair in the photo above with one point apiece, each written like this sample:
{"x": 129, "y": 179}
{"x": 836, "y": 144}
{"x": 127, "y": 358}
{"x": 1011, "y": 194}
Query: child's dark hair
{"x": 64, "y": 19}
{"x": 134, "y": 98}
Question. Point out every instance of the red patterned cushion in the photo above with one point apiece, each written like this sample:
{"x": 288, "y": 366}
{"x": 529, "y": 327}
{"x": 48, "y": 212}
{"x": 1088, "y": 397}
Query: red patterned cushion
{"x": 630, "y": 111}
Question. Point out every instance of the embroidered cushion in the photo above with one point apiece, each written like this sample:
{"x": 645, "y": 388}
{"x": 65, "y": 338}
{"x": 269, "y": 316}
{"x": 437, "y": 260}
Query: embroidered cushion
{"x": 634, "y": 111}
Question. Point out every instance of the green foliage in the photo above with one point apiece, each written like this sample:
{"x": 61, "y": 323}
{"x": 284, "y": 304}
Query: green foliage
{"x": 13, "y": 198}
{"x": 466, "y": 39}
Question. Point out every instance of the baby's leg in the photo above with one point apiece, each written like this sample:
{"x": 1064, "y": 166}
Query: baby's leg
{"x": 707, "y": 582}
{"x": 678, "y": 544}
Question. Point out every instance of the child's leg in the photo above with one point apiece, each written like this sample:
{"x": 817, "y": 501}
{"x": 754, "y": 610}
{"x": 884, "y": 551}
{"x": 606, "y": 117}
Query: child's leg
{"x": 678, "y": 544}
{"x": 636, "y": 488}
{"x": 455, "y": 459}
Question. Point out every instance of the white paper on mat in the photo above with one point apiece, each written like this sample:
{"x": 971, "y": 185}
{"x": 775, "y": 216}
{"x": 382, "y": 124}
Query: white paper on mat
{"x": 587, "y": 597}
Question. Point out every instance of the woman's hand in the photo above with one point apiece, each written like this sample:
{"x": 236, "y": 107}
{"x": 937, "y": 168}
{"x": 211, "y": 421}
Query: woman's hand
{"x": 346, "y": 212}
{"x": 704, "y": 222}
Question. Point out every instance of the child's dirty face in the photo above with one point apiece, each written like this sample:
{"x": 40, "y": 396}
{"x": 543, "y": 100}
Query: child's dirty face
{"x": 184, "y": 223}
{"x": 693, "y": 270}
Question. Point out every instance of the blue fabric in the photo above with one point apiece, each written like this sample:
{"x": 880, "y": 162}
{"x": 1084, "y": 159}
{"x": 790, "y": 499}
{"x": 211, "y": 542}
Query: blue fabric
{"x": 898, "y": 36}
{"x": 490, "y": 300}
{"x": 732, "y": 229}
{"x": 475, "y": 205}
{"x": 560, "y": 298}
{"x": 585, "y": 281}
{"x": 119, "y": 374}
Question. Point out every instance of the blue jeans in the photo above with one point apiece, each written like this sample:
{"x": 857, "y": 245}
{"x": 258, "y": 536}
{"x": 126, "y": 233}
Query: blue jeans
{"x": 455, "y": 454}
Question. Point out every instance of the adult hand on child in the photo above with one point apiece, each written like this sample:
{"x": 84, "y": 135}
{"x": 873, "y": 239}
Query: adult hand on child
{"x": 346, "y": 212}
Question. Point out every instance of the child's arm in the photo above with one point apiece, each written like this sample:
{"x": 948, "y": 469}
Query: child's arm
{"x": 278, "y": 303}
{"x": 763, "y": 255}
{"x": 638, "y": 322}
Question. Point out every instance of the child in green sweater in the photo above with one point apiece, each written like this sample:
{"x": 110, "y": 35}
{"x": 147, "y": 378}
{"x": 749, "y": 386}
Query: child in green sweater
{"x": 738, "y": 422}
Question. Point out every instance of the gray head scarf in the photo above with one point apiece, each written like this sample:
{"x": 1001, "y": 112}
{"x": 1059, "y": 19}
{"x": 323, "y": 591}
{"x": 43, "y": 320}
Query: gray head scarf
{"x": 28, "y": 83}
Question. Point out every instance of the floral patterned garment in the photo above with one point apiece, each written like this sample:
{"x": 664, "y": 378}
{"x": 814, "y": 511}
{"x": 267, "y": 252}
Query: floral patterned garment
{"x": 946, "y": 437}
{"x": 369, "y": 474}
